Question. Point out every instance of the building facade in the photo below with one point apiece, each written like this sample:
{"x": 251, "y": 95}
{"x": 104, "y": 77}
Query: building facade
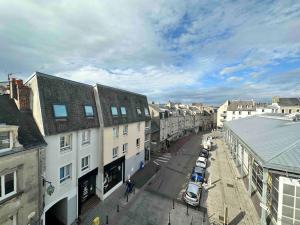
{"x": 22, "y": 157}
{"x": 286, "y": 105}
{"x": 125, "y": 135}
{"x": 66, "y": 114}
{"x": 266, "y": 151}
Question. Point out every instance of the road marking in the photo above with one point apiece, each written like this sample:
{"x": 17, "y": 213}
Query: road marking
{"x": 161, "y": 160}
{"x": 164, "y": 158}
{"x": 167, "y": 156}
{"x": 156, "y": 163}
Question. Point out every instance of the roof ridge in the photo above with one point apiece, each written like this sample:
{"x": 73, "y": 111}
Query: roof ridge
{"x": 119, "y": 89}
{"x": 288, "y": 148}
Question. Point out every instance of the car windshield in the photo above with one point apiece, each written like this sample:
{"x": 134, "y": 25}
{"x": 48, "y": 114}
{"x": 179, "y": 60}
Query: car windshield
{"x": 191, "y": 194}
{"x": 198, "y": 169}
{"x": 196, "y": 177}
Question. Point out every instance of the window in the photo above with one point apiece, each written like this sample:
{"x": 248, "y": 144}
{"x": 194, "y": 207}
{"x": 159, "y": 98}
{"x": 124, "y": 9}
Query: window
{"x": 264, "y": 110}
{"x": 282, "y": 110}
{"x": 138, "y": 110}
{"x": 125, "y": 129}
{"x": 125, "y": 148}
{"x": 115, "y": 152}
{"x": 240, "y": 113}
{"x": 4, "y": 140}
{"x": 60, "y": 111}
{"x": 138, "y": 142}
{"x": 65, "y": 142}
{"x": 249, "y": 113}
{"x": 233, "y": 112}
{"x": 88, "y": 111}
{"x": 290, "y": 111}
{"x": 123, "y": 111}
{"x": 146, "y": 111}
{"x": 8, "y": 185}
{"x": 86, "y": 137}
{"x": 147, "y": 124}
{"x": 65, "y": 173}
{"x": 115, "y": 132}
{"x": 85, "y": 163}
{"x": 114, "y": 111}
{"x": 139, "y": 126}
{"x": 298, "y": 110}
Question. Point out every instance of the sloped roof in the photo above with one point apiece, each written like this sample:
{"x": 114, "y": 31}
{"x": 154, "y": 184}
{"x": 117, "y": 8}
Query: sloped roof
{"x": 154, "y": 127}
{"x": 274, "y": 141}
{"x": 56, "y": 90}
{"x": 110, "y": 96}
{"x": 289, "y": 102}
{"x": 28, "y": 133}
{"x": 238, "y": 105}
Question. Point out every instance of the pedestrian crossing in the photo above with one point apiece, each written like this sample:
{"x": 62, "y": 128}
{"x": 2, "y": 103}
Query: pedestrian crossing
{"x": 161, "y": 159}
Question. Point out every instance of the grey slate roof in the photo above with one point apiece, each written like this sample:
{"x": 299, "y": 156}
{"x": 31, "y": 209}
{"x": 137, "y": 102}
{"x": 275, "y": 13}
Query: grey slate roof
{"x": 110, "y": 96}
{"x": 55, "y": 90}
{"x": 275, "y": 141}
{"x": 234, "y": 106}
{"x": 28, "y": 133}
{"x": 289, "y": 102}
{"x": 154, "y": 127}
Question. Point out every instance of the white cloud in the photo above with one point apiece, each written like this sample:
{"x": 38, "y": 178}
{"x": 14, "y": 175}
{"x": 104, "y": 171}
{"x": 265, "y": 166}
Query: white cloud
{"x": 234, "y": 79}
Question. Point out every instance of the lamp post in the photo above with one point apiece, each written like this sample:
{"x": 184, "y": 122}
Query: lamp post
{"x": 50, "y": 189}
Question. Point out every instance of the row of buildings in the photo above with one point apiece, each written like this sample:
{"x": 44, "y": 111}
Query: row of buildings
{"x": 237, "y": 109}
{"x": 171, "y": 121}
{"x": 63, "y": 143}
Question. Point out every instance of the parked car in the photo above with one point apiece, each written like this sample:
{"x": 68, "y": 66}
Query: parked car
{"x": 201, "y": 161}
{"x": 199, "y": 170}
{"x": 197, "y": 178}
{"x": 204, "y": 153}
{"x": 192, "y": 194}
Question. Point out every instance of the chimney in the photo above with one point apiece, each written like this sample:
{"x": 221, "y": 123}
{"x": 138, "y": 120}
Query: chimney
{"x": 20, "y": 93}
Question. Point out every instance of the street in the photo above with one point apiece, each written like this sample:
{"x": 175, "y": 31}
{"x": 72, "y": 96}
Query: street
{"x": 159, "y": 201}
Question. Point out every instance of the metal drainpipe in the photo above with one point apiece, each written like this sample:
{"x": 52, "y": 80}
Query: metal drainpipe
{"x": 76, "y": 172}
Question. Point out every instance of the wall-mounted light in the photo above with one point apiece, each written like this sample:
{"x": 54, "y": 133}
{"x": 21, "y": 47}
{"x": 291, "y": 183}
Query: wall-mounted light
{"x": 50, "y": 189}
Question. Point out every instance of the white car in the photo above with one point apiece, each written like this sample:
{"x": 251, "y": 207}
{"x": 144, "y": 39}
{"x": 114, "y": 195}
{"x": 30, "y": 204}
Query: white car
{"x": 201, "y": 162}
{"x": 192, "y": 194}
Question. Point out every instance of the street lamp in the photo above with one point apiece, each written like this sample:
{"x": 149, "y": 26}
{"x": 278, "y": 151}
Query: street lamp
{"x": 50, "y": 189}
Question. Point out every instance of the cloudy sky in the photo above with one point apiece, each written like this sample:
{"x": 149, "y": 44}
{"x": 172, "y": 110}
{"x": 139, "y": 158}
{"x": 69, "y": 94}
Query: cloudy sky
{"x": 178, "y": 50}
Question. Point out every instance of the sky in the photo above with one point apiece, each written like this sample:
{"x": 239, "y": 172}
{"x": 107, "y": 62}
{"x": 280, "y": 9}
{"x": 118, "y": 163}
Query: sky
{"x": 177, "y": 50}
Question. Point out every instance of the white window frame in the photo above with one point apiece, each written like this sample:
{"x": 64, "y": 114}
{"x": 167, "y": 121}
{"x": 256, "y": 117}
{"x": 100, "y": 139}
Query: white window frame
{"x": 9, "y": 139}
{"x": 65, "y": 147}
{"x": 115, "y": 152}
{"x": 123, "y": 109}
{"x": 112, "y": 108}
{"x": 147, "y": 111}
{"x": 3, "y": 195}
{"x": 69, "y": 176}
{"x": 115, "y": 132}
{"x": 86, "y": 161}
{"x": 125, "y": 148}
{"x": 138, "y": 111}
{"x": 86, "y": 137}
{"x": 125, "y": 129}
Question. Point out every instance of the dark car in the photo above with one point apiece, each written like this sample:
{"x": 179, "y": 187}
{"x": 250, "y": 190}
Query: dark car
{"x": 199, "y": 170}
{"x": 204, "y": 153}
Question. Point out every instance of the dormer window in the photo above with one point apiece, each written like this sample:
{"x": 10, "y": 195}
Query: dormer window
{"x": 138, "y": 110}
{"x": 146, "y": 111}
{"x": 4, "y": 140}
{"x": 88, "y": 111}
{"x": 114, "y": 111}
{"x": 60, "y": 111}
{"x": 123, "y": 111}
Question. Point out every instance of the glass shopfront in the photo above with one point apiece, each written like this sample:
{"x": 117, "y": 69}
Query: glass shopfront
{"x": 113, "y": 174}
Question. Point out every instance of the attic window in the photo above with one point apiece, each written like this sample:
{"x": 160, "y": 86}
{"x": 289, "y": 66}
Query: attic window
{"x": 138, "y": 110}
{"x": 60, "y": 111}
{"x": 4, "y": 140}
{"x": 88, "y": 111}
{"x": 114, "y": 111}
{"x": 123, "y": 111}
{"x": 146, "y": 111}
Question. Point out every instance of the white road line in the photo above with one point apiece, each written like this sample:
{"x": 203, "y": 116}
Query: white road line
{"x": 160, "y": 160}
{"x": 164, "y": 158}
{"x": 167, "y": 156}
{"x": 156, "y": 163}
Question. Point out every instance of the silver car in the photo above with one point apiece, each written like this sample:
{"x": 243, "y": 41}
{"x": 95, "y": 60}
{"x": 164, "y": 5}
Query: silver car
{"x": 192, "y": 194}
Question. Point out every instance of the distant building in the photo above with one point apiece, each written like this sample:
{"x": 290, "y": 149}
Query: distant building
{"x": 286, "y": 105}
{"x": 237, "y": 109}
{"x": 22, "y": 160}
{"x": 266, "y": 150}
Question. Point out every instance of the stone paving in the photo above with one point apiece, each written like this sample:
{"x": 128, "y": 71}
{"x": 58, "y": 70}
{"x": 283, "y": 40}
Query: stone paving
{"x": 225, "y": 189}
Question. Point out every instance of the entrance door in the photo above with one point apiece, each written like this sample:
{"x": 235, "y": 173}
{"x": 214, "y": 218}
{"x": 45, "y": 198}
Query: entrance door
{"x": 57, "y": 214}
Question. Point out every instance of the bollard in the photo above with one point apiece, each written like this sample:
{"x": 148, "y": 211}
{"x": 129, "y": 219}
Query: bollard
{"x": 106, "y": 219}
{"x": 173, "y": 204}
{"x": 118, "y": 209}
{"x": 169, "y": 219}
{"x": 187, "y": 209}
